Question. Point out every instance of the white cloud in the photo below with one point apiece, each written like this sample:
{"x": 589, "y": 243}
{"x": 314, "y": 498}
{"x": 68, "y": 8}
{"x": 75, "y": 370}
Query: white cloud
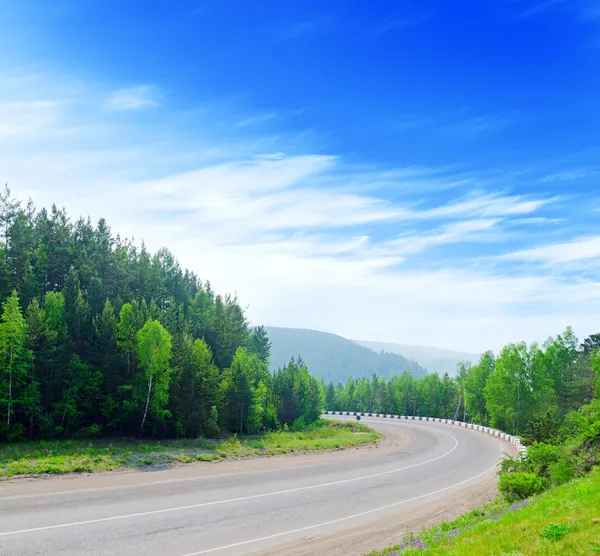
{"x": 133, "y": 98}
{"x": 305, "y": 240}
{"x": 557, "y": 253}
{"x": 480, "y": 126}
{"x": 22, "y": 119}
{"x": 255, "y": 120}
{"x": 457, "y": 232}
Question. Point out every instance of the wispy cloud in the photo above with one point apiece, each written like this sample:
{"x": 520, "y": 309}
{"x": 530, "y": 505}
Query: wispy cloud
{"x": 301, "y": 29}
{"x": 133, "y": 98}
{"x": 399, "y": 23}
{"x": 560, "y": 253}
{"x": 583, "y": 10}
{"x": 531, "y": 8}
{"x": 21, "y": 119}
{"x": 479, "y": 126}
{"x": 297, "y": 235}
{"x": 571, "y": 175}
{"x": 457, "y": 232}
{"x": 255, "y": 120}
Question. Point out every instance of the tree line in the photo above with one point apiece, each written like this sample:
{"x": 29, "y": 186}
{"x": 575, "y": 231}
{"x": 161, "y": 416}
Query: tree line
{"x": 520, "y": 391}
{"x": 98, "y": 336}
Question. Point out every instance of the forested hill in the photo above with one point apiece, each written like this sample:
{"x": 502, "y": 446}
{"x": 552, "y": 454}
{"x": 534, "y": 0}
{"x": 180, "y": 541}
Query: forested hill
{"x": 334, "y": 358}
{"x": 98, "y": 336}
{"x": 435, "y": 360}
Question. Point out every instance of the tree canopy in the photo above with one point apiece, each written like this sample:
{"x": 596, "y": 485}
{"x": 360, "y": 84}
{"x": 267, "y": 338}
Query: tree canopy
{"x": 99, "y": 336}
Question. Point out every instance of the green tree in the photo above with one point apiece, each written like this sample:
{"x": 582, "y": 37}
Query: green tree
{"x": 195, "y": 388}
{"x": 475, "y": 383}
{"x": 519, "y": 388}
{"x": 153, "y": 349}
{"x": 127, "y": 330}
{"x": 15, "y": 360}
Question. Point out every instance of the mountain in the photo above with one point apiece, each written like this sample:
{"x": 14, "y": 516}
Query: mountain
{"x": 332, "y": 357}
{"x": 433, "y": 359}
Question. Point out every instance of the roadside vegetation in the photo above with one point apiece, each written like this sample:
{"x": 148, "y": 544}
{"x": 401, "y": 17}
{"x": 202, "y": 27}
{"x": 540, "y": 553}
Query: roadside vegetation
{"x": 79, "y": 456}
{"x": 564, "y": 520}
{"x": 549, "y": 499}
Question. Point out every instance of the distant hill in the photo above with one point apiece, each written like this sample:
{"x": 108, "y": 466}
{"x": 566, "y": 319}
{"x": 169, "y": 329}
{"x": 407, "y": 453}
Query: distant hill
{"x": 433, "y": 359}
{"x": 334, "y": 358}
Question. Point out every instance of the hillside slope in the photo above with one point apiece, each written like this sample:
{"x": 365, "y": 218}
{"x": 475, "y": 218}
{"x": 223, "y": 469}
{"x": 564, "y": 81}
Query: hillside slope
{"x": 334, "y": 358}
{"x": 431, "y": 358}
{"x": 563, "y": 520}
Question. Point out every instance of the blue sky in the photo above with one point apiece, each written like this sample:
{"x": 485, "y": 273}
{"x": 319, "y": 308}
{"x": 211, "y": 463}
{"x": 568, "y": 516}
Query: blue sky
{"x": 421, "y": 172}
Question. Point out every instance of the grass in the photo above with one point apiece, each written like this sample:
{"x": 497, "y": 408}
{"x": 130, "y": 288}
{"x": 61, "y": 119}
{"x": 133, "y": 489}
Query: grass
{"x": 563, "y": 520}
{"x": 87, "y": 456}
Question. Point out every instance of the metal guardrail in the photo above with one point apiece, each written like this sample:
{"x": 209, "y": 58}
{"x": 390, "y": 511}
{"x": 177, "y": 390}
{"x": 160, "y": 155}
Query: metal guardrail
{"x": 521, "y": 449}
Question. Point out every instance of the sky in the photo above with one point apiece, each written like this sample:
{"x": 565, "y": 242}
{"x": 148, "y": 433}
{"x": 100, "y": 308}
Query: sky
{"x": 422, "y": 172}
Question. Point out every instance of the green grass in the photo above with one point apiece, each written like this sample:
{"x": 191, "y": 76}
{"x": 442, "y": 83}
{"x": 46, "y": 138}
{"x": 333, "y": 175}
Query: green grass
{"x": 87, "y": 456}
{"x": 563, "y": 520}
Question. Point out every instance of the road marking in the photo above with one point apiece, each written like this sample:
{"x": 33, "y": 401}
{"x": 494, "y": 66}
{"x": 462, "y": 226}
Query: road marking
{"x": 331, "y": 522}
{"x": 230, "y": 500}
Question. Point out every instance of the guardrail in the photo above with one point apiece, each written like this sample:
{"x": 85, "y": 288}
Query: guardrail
{"x": 521, "y": 449}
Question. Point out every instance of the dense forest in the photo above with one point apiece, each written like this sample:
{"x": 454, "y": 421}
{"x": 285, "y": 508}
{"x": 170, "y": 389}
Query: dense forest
{"x": 518, "y": 391}
{"x": 334, "y": 358}
{"x": 98, "y": 336}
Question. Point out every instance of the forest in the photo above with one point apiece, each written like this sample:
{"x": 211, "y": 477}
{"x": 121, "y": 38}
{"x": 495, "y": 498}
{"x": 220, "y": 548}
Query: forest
{"x": 98, "y": 336}
{"x": 548, "y": 396}
{"x": 514, "y": 391}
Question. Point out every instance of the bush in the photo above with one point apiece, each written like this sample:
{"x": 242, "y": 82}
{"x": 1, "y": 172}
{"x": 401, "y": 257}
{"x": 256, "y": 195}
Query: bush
{"x": 542, "y": 455}
{"x": 212, "y": 428}
{"x": 299, "y": 424}
{"x": 561, "y": 472}
{"x": 541, "y": 428}
{"x": 520, "y": 485}
{"x": 554, "y": 532}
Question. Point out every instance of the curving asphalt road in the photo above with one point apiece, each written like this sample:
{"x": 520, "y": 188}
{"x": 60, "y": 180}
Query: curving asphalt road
{"x": 244, "y": 509}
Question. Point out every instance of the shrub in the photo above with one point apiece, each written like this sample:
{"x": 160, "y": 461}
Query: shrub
{"x": 299, "y": 424}
{"x": 561, "y": 472}
{"x": 541, "y": 428}
{"x": 212, "y": 428}
{"x": 542, "y": 455}
{"x": 520, "y": 485}
{"x": 554, "y": 532}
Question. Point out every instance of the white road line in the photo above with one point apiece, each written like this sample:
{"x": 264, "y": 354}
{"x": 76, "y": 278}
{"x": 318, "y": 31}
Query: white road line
{"x": 240, "y": 499}
{"x": 331, "y": 522}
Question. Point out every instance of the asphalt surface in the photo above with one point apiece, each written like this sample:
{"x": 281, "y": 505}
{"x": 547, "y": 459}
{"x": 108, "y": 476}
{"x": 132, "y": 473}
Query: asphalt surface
{"x": 250, "y": 510}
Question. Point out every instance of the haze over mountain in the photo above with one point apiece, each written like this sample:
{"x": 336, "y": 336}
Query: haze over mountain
{"x": 432, "y": 358}
{"x": 334, "y": 358}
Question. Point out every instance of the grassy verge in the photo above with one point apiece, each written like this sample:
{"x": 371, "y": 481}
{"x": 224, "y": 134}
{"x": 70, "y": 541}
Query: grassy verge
{"x": 77, "y": 456}
{"x": 563, "y": 520}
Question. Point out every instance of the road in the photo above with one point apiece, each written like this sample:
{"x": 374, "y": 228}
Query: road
{"x": 276, "y": 505}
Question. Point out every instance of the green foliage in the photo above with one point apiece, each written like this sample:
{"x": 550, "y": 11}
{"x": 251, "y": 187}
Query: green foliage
{"x": 554, "y": 532}
{"x": 563, "y": 520}
{"x": 17, "y": 393}
{"x": 153, "y": 349}
{"x": 102, "y": 337}
{"x": 520, "y": 485}
{"x": 561, "y": 472}
{"x": 72, "y": 456}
